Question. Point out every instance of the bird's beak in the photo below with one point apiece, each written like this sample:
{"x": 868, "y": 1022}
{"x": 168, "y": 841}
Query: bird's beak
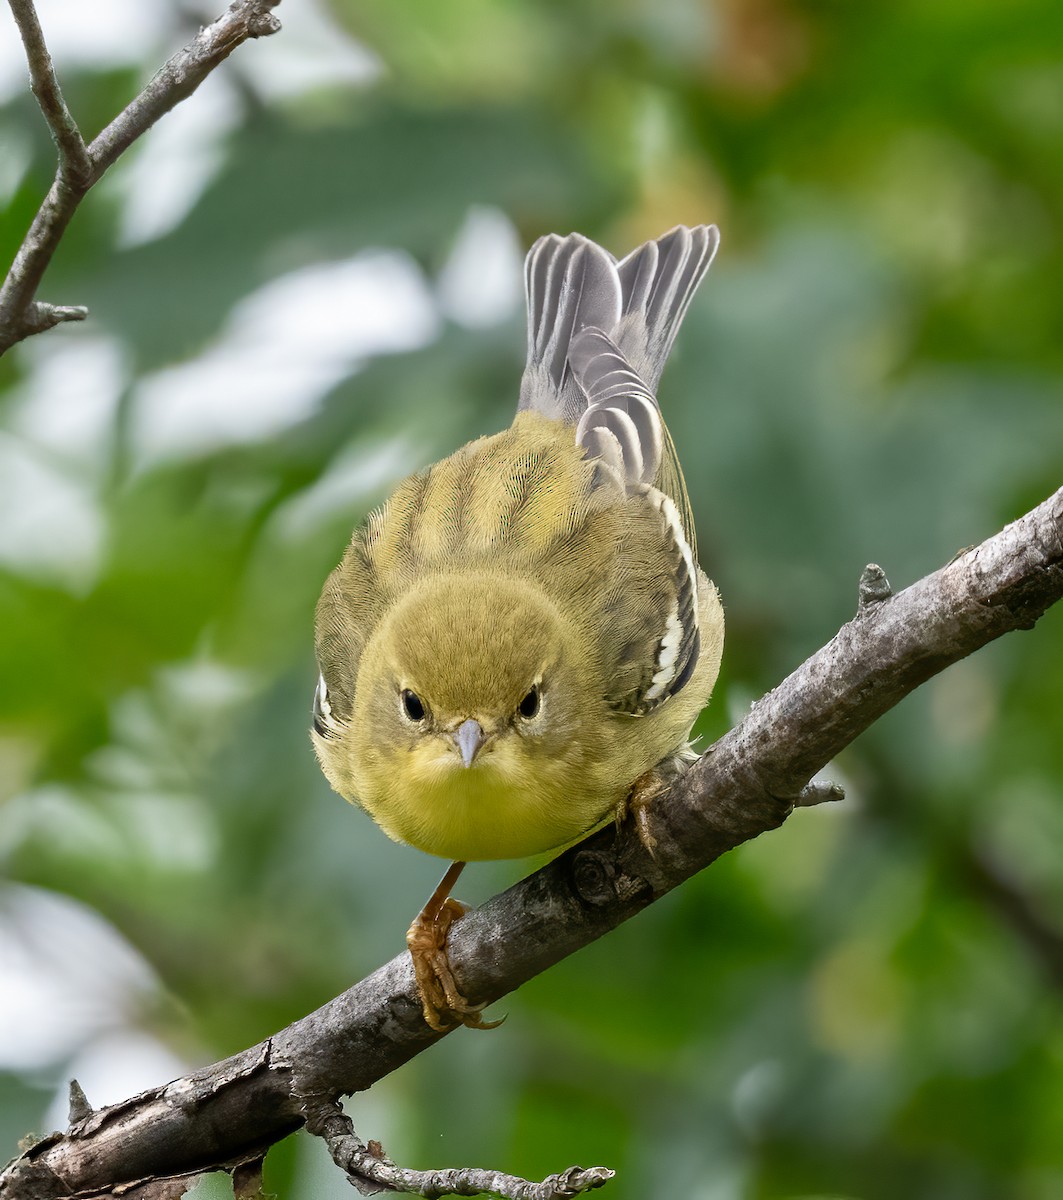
{"x": 469, "y": 738}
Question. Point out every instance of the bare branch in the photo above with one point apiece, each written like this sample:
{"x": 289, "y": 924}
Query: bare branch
{"x": 370, "y": 1170}
{"x": 81, "y": 167}
{"x": 179, "y": 77}
{"x": 234, "y": 1110}
{"x": 74, "y": 162}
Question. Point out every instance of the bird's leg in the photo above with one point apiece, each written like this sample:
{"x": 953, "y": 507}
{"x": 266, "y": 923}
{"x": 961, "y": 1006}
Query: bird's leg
{"x": 443, "y": 1004}
{"x": 638, "y": 803}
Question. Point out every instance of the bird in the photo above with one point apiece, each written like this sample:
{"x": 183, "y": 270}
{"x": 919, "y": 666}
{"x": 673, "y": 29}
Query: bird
{"x": 516, "y": 644}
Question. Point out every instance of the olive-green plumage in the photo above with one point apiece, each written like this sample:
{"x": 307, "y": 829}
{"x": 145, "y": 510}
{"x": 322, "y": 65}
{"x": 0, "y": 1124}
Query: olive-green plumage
{"x": 521, "y": 631}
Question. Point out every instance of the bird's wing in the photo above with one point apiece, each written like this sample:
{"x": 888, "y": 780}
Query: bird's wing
{"x": 652, "y": 638}
{"x": 621, "y": 423}
{"x": 651, "y": 635}
{"x": 348, "y": 610}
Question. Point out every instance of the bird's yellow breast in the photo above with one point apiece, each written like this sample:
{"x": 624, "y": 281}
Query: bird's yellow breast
{"x": 497, "y": 808}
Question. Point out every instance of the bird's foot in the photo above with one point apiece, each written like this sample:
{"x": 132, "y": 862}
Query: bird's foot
{"x": 443, "y": 1004}
{"x": 638, "y": 804}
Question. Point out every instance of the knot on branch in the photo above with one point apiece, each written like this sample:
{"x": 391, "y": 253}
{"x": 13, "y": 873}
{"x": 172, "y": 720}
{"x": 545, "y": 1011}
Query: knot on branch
{"x": 819, "y": 791}
{"x": 79, "y": 1109}
{"x": 874, "y": 586}
{"x": 593, "y": 877}
{"x": 261, "y": 21}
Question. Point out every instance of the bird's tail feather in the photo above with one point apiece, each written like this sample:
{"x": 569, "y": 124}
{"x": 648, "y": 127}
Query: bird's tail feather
{"x": 657, "y": 283}
{"x": 599, "y": 333}
{"x": 573, "y": 284}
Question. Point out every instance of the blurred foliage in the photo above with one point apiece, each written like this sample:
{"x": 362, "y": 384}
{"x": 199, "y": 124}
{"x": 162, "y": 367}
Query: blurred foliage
{"x": 864, "y": 1004}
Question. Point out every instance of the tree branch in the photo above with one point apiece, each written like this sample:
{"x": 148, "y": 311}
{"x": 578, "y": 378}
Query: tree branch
{"x": 73, "y": 157}
{"x": 370, "y": 1170}
{"x": 746, "y": 784}
{"x": 81, "y": 166}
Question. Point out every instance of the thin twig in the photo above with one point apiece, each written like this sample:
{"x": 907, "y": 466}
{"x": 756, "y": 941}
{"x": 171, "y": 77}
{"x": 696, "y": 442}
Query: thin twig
{"x": 370, "y": 1170}
{"x": 81, "y": 167}
{"x": 819, "y": 791}
{"x": 180, "y": 75}
{"x": 74, "y": 162}
{"x": 735, "y": 792}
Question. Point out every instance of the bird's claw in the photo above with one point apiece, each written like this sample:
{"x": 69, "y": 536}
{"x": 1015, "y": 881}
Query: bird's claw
{"x": 443, "y": 1004}
{"x": 638, "y": 804}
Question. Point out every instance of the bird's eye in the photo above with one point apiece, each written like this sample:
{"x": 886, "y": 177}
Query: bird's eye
{"x": 412, "y": 705}
{"x": 529, "y": 706}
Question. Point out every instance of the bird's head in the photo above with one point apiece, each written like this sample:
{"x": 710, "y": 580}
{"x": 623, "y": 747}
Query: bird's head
{"x": 464, "y": 667}
{"x": 466, "y": 692}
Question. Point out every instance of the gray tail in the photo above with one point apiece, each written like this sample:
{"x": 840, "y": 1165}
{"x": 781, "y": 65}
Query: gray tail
{"x": 657, "y": 282}
{"x": 599, "y": 333}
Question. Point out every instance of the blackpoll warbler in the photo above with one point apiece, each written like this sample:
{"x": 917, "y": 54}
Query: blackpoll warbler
{"x": 516, "y": 645}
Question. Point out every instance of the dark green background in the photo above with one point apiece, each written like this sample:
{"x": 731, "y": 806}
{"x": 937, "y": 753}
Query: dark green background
{"x": 864, "y": 1004}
